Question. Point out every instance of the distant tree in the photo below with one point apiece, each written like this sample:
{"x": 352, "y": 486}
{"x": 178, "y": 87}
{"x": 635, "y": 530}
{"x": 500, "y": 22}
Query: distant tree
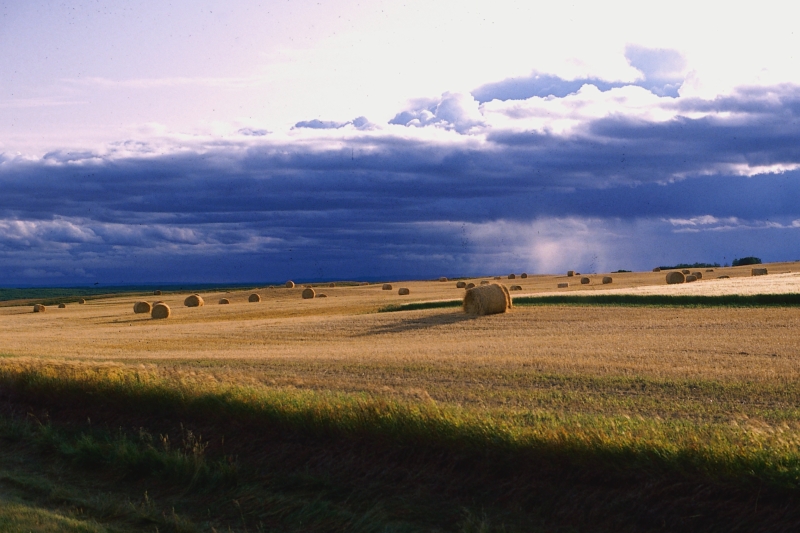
{"x": 746, "y": 261}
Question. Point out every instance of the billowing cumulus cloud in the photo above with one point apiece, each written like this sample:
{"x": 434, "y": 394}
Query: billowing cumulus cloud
{"x": 596, "y": 179}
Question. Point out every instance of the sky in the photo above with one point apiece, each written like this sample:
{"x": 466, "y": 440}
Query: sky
{"x": 258, "y": 141}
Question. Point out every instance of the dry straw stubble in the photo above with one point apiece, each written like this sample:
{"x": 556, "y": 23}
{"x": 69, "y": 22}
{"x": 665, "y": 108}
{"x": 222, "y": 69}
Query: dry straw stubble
{"x": 487, "y": 300}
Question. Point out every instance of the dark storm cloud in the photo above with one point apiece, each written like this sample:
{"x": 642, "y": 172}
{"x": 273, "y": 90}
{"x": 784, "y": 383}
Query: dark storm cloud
{"x": 394, "y": 204}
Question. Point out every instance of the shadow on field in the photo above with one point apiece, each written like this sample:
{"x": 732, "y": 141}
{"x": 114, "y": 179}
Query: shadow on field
{"x": 415, "y": 324}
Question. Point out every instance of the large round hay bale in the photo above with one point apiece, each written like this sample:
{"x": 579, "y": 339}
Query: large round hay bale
{"x": 516, "y": 288}
{"x": 81, "y": 301}
{"x": 254, "y": 298}
{"x": 160, "y": 311}
{"x": 484, "y": 282}
{"x": 698, "y": 275}
{"x": 142, "y": 307}
{"x": 156, "y": 293}
{"x": 469, "y": 285}
{"x": 758, "y": 272}
{"x": 607, "y": 280}
{"x": 443, "y": 278}
{"x": 685, "y": 272}
{"x": 523, "y": 275}
{"x": 308, "y": 294}
{"x": 657, "y": 269}
{"x": 195, "y": 300}
{"x": 487, "y": 300}
{"x": 403, "y": 291}
{"x": 387, "y": 287}
{"x": 39, "y": 308}
{"x": 62, "y": 306}
{"x": 585, "y": 281}
{"x": 563, "y": 285}
{"x": 512, "y": 276}
{"x": 461, "y": 284}
{"x": 570, "y": 273}
{"x": 690, "y": 278}
{"x": 673, "y": 278}
{"x": 224, "y": 301}
{"x": 290, "y": 284}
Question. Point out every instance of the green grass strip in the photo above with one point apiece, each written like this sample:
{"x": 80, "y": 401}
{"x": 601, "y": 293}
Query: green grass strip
{"x": 633, "y": 300}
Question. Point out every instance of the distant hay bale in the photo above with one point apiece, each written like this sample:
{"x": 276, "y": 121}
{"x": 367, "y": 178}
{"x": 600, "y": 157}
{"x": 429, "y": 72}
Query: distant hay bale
{"x": 523, "y": 275}
{"x": 690, "y": 278}
{"x": 403, "y": 291}
{"x": 322, "y": 295}
{"x": 469, "y": 285}
{"x": 461, "y": 284}
{"x": 570, "y": 273}
{"x": 709, "y": 270}
{"x": 585, "y": 281}
{"x": 563, "y": 285}
{"x": 387, "y": 287}
{"x": 516, "y": 288}
{"x": 195, "y": 300}
{"x": 673, "y": 278}
{"x": 607, "y": 280}
{"x": 442, "y": 279}
{"x": 254, "y": 298}
{"x": 657, "y": 269}
{"x": 224, "y": 301}
{"x": 62, "y": 306}
{"x": 81, "y": 301}
{"x": 512, "y": 276}
{"x": 160, "y": 311}
{"x": 685, "y": 272}
{"x": 331, "y": 285}
{"x": 39, "y": 308}
{"x": 142, "y": 307}
{"x": 758, "y": 272}
{"x": 497, "y": 277}
{"x": 698, "y": 275}
{"x": 484, "y": 282}
{"x": 487, "y": 300}
{"x": 308, "y": 294}
{"x": 156, "y": 293}
{"x": 290, "y": 284}
{"x": 723, "y": 277}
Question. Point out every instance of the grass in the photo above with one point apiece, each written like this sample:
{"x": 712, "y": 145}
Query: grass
{"x": 633, "y": 300}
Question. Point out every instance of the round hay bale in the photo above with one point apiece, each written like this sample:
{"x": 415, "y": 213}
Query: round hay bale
{"x": 512, "y": 276}
{"x": 563, "y": 285}
{"x": 487, "y": 300}
{"x": 308, "y": 294}
{"x": 585, "y": 281}
{"x": 723, "y": 277}
{"x": 497, "y": 277}
{"x": 195, "y": 300}
{"x": 657, "y": 269}
{"x": 160, "y": 311}
{"x": 607, "y": 280}
{"x": 321, "y": 295}
{"x": 387, "y": 287}
{"x": 698, "y": 275}
{"x": 442, "y": 279}
{"x": 570, "y": 273}
{"x": 39, "y": 308}
{"x": 158, "y": 302}
{"x": 709, "y": 270}
{"x": 156, "y": 293}
{"x": 690, "y": 278}
{"x": 673, "y": 278}
{"x": 403, "y": 291}
{"x": 142, "y": 307}
{"x": 484, "y": 282}
{"x": 224, "y": 301}
{"x": 331, "y": 285}
{"x": 290, "y": 284}
{"x": 685, "y": 272}
{"x": 62, "y": 306}
{"x": 758, "y": 272}
{"x": 523, "y": 275}
{"x": 516, "y": 288}
{"x": 254, "y": 298}
{"x": 461, "y": 284}
{"x": 469, "y": 285}
{"x": 81, "y": 301}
